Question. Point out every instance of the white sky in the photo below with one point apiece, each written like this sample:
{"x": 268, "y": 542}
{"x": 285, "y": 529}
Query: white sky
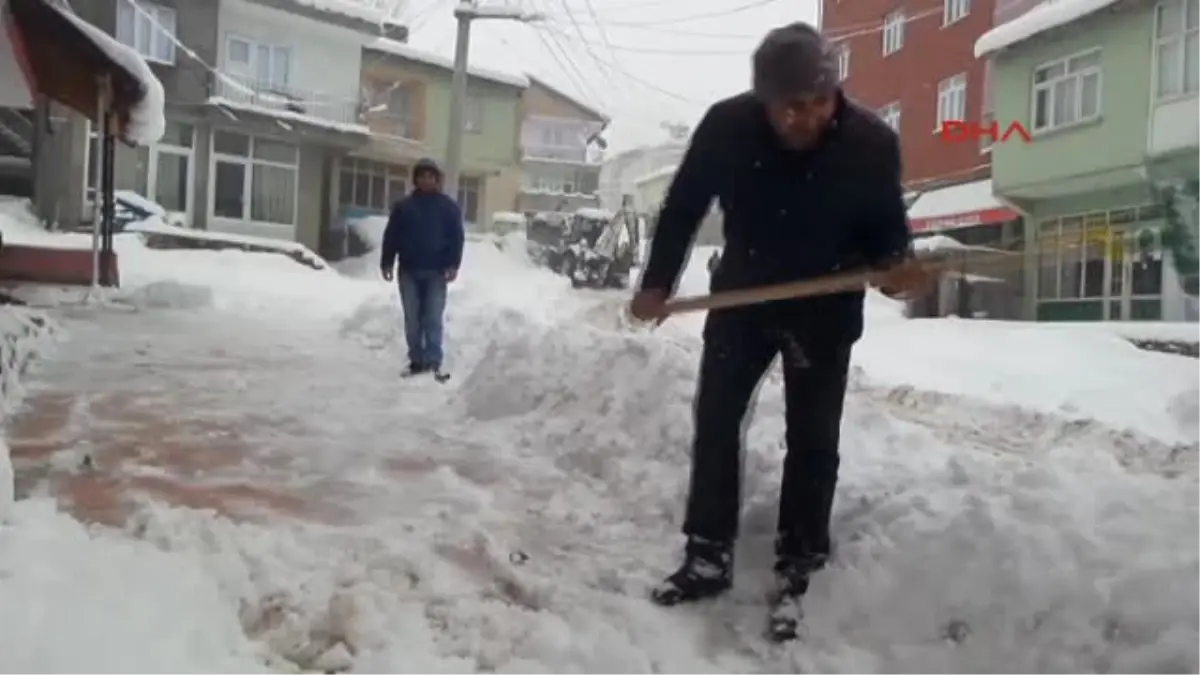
{"x": 644, "y": 62}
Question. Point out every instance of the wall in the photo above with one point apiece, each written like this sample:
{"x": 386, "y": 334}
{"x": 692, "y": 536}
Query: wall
{"x": 325, "y": 59}
{"x": 1117, "y": 140}
{"x": 931, "y": 53}
{"x": 618, "y": 173}
{"x": 496, "y": 145}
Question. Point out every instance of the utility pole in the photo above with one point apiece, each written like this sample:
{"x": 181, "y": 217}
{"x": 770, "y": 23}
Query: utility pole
{"x": 466, "y": 12}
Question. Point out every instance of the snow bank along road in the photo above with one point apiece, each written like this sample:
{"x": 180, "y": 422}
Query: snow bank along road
{"x": 274, "y": 498}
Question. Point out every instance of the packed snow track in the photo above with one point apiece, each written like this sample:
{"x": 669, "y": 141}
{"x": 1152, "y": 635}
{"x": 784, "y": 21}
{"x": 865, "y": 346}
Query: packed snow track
{"x": 275, "y": 498}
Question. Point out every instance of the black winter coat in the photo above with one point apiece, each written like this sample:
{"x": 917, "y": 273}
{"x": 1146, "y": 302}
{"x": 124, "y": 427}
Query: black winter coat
{"x": 788, "y": 214}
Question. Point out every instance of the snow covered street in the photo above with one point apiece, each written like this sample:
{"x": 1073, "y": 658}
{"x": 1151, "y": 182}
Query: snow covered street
{"x": 283, "y": 501}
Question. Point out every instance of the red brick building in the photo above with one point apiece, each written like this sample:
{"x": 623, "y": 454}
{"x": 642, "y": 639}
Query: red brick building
{"x": 912, "y": 57}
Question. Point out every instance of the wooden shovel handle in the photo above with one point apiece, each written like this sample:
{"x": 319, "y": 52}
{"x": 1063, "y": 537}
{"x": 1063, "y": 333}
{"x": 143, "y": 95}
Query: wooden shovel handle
{"x": 838, "y": 282}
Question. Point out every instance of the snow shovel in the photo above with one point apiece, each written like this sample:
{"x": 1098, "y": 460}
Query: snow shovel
{"x": 838, "y": 282}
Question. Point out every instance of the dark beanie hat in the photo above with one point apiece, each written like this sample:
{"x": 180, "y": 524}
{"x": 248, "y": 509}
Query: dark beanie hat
{"x": 794, "y": 60}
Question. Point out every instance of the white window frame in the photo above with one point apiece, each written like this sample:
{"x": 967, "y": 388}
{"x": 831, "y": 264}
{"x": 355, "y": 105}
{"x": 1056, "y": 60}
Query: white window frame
{"x": 1077, "y": 75}
{"x": 985, "y": 140}
{"x": 843, "y": 61}
{"x": 473, "y": 114}
{"x": 1178, "y": 41}
{"x": 249, "y": 71}
{"x": 149, "y": 28}
{"x": 249, "y": 163}
{"x": 891, "y": 115}
{"x": 954, "y": 11}
{"x": 893, "y": 32}
{"x": 151, "y": 169}
{"x": 951, "y": 100}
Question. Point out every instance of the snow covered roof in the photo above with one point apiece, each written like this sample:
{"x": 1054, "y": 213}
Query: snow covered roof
{"x": 657, "y": 173}
{"x": 533, "y": 79}
{"x": 346, "y": 127}
{"x": 961, "y": 198}
{"x": 372, "y": 11}
{"x": 404, "y": 51}
{"x": 49, "y": 44}
{"x": 1047, "y": 16}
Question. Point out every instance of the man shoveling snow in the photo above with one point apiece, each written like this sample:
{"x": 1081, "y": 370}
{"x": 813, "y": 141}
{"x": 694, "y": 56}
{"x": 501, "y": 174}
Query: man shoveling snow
{"x": 809, "y": 183}
{"x": 425, "y": 236}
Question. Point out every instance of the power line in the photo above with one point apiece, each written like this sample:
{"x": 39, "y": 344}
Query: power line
{"x": 866, "y": 28}
{"x": 694, "y": 17}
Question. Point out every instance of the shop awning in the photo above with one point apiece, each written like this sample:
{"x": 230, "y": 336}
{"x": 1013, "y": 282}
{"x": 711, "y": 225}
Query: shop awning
{"x": 958, "y": 206}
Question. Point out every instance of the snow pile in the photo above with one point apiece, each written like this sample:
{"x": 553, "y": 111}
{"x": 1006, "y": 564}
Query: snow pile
{"x": 1046, "y": 16}
{"x": 78, "y": 601}
{"x": 998, "y": 510}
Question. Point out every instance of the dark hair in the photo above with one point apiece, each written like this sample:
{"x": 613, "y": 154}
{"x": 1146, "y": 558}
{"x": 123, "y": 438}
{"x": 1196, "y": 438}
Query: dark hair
{"x": 794, "y": 60}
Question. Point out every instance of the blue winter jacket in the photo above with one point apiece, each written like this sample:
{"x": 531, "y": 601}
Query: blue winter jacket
{"x": 424, "y": 232}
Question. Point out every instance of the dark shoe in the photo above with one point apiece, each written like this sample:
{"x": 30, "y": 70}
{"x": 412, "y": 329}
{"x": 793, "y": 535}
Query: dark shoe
{"x": 414, "y": 369}
{"x": 792, "y": 574}
{"x": 707, "y": 572}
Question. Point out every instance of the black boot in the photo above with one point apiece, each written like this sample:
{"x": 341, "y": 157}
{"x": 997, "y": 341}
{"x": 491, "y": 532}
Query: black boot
{"x": 414, "y": 369}
{"x": 792, "y": 574}
{"x": 707, "y": 571}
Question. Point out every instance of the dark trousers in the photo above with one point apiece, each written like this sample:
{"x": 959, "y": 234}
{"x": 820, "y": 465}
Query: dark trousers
{"x": 737, "y": 354}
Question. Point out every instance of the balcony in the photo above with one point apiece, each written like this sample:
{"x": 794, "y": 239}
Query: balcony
{"x": 561, "y": 154}
{"x": 272, "y": 96}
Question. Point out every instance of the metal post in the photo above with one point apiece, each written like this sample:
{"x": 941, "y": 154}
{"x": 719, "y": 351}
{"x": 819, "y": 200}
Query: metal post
{"x": 109, "y": 154}
{"x": 466, "y": 12}
{"x": 97, "y": 215}
{"x": 458, "y": 100}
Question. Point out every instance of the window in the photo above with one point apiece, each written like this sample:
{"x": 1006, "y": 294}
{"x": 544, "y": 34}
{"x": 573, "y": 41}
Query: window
{"x": 254, "y": 179}
{"x": 955, "y": 10}
{"x": 890, "y": 114}
{"x": 400, "y": 108}
{"x": 952, "y": 100}
{"x": 893, "y": 32}
{"x": 149, "y": 28}
{"x": 469, "y": 188}
{"x": 163, "y": 171}
{"x": 1177, "y": 47}
{"x": 473, "y": 115}
{"x": 371, "y": 185}
{"x": 265, "y": 65}
{"x": 1100, "y": 265}
{"x": 843, "y": 61}
{"x": 1067, "y": 91}
{"x": 559, "y": 181}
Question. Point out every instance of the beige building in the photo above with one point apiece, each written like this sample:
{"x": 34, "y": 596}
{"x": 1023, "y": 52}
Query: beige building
{"x": 560, "y": 153}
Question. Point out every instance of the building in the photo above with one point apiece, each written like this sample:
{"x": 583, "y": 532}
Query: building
{"x": 258, "y": 111}
{"x": 914, "y": 64}
{"x": 408, "y": 112}
{"x": 560, "y": 156}
{"x": 1109, "y": 92}
{"x": 648, "y": 194}
{"x": 620, "y": 173}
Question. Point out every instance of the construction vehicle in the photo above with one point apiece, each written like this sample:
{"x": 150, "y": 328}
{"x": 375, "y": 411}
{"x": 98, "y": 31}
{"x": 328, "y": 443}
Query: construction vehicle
{"x": 592, "y": 247}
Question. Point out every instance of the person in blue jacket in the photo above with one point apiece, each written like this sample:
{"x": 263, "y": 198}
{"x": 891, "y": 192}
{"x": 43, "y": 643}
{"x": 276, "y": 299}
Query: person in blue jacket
{"x": 422, "y": 249}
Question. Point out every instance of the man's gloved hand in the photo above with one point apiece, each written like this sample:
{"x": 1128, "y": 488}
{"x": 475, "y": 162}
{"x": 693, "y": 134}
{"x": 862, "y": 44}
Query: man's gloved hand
{"x": 387, "y": 274}
{"x": 907, "y": 278}
{"x": 452, "y": 274}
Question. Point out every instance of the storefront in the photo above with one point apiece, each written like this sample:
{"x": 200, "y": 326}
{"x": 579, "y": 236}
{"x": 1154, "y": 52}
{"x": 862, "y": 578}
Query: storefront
{"x": 1102, "y": 266}
{"x": 970, "y": 214}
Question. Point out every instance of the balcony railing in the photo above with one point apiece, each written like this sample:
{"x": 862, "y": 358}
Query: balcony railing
{"x": 552, "y": 153}
{"x": 249, "y": 91}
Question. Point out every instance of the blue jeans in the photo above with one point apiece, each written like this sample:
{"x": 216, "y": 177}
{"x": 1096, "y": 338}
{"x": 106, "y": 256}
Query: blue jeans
{"x": 423, "y": 297}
